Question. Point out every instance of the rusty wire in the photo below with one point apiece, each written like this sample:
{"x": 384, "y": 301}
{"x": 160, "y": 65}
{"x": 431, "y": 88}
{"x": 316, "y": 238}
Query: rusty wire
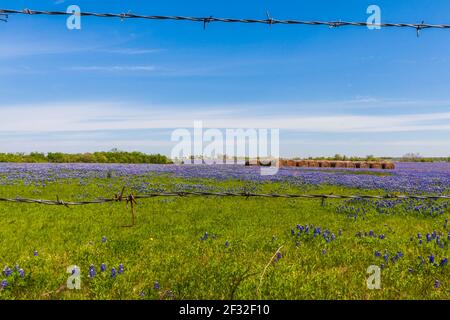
{"x": 131, "y": 199}
{"x": 210, "y": 19}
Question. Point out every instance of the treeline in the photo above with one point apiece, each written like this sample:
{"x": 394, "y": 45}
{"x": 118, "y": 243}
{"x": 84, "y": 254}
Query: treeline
{"x": 96, "y": 157}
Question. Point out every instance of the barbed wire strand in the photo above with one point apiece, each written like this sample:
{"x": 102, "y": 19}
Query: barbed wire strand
{"x": 131, "y": 199}
{"x": 205, "y": 20}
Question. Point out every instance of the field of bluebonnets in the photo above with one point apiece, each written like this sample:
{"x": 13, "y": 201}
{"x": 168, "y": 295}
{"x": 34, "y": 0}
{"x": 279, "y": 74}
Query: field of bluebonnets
{"x": 222, "y": 247}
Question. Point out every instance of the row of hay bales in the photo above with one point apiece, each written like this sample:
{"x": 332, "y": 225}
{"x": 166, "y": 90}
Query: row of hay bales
{"x": 337, "y": 164}
{"x": 327, "y": 164}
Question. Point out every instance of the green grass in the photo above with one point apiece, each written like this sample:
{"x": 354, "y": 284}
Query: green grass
{"x": 165, "y": 246}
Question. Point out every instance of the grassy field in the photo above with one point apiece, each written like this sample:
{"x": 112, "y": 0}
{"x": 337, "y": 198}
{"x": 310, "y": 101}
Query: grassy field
{"x": 164, "y": 257}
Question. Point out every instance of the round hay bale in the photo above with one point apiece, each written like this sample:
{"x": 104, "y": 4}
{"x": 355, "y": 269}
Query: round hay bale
{"x": 282, "y": 163}
{"x": 291, "y": 163}
{"x": 333, "y": 164}
{"x": 301, "y": 163}
{"x": 375, "y": 165}
{"x": 388, "y": 166}
{"x": 357, "y": 164}
{"x": 324, "y": 164}
{"x": 341, "y": 164}
{"x": 351, "y": 164}
{"x": 313, "y": 164}
{"x": 364, "y": 165}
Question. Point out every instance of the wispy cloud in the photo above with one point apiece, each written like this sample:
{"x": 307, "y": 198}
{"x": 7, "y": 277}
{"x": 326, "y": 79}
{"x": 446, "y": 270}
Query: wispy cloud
{"x": 115, "y": 116}
{"x": 116, "y": 68}
{"x": 130, "y": 51}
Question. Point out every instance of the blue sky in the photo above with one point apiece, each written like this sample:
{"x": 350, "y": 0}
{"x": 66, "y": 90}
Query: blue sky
{"x": 128, "y": 84}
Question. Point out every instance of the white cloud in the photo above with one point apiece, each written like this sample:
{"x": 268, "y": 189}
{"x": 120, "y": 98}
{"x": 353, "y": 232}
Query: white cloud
{"x": 115, "y": 116}
{"x": 111, "y": 68}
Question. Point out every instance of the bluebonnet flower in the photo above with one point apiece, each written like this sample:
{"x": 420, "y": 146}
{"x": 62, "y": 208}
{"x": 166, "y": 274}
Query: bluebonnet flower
{"x": 433, "y": 235}
{"x": 103, "y": 267}
{"x": 436, "y": 283}
{"x": 371, "y": 234}
{"x": 377, "y": 254}
{"x": 204, "y": 237}
{"x": 400, "y": 254}
{"x": 21, "y": 273}
{"x": 156, "y": 285}
{"x": 278, "y": 256}
{"x": 4, "y": 284}
{"x": 333, "y": 237}
{"x": 431, "y": 258}
{"x": 121, "y": 270}
{"x": 382, "y": 236}
{"x": 7, "y": 271}
{"x": 91, "y": 271}
{"x": 386, "y": 257}
{"x": 419, "y": 236}
{"x": 428, "y": 237}
{"x": 448, "y": 238}
{"x": 444, "y": 262}
{"x": 103, "y": 239}
{"x": 74, "y": 270}
{"x": 292, "y": 232}
{"x": 35, "y": 253}
{"x": 420, "y": 241}
{"x": 113, "y": 272}
{"x": 227, "y": 243}
{"x": 142, "y": 294}
{"x": 410, "y": 270}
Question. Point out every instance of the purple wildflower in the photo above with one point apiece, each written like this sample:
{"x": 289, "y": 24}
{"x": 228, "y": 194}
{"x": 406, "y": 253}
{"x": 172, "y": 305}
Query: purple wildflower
{"x": 21, "y": 273}
{"x": 7, "y": 271}
{"x": 113, "y": 272}
{"x": 436, "y": 283}
{"x": 103, "y": 267}
{"x": 4, "y": 284}
{"x": 121, "y": 269}
{"x": 91, "y": 271}
{"x": 103, "y": 239}
{"x": 156, "y": 285}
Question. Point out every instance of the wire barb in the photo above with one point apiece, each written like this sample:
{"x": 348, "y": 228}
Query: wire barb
{"x": 269, "y": 18}
{"x": 207, "y": 20}
{"x": 3, "y": 17}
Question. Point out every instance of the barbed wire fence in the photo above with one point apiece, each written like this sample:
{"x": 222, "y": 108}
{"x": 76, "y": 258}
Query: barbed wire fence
{"x": 131, "y": 198}
{"x": 211, "y": 19}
